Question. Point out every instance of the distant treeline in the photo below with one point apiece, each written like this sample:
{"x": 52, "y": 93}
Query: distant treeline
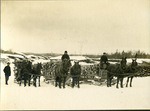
{"x": 43, "y": 54}
{"x": 119, "y": 55}
{"x": 115, "y": 55}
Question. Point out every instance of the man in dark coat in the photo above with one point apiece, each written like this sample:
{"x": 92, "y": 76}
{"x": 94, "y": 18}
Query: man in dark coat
{"x": 103, "y": 60}
{"x": 65, "y": 56}
{"x": 7, "y": 71}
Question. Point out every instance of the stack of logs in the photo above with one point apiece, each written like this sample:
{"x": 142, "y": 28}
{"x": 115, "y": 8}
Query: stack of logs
{"x": 87, "y": 71}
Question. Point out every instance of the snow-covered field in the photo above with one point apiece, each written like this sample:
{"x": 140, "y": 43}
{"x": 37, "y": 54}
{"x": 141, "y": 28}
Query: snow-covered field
{"x": 90, "y": 97}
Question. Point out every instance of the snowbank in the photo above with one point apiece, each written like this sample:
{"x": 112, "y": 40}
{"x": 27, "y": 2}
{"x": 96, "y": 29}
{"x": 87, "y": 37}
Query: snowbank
{"x": 139, "y": 60}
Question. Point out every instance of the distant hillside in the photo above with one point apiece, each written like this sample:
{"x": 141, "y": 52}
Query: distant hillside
{"x": 115, "y": 55}
{"x": 43, "y": 54}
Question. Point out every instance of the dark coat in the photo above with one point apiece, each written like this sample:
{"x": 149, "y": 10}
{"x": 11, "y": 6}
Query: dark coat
{"x": 7, "y": 71}
{"x": 65, "y": 56}
{"x": 104, "y": 59}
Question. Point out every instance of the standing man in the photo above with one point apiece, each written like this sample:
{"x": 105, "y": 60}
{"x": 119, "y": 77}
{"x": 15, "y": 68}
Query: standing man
{"x": 65, "y": 56}
{"x": 7, "y": 71}
{"x": 103, "y": 60}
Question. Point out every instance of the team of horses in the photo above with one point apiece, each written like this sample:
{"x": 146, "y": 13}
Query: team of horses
{"x": 29, "y": 71}
{"x": 26, "y": 71}
{"x": 121, "y": 71}
{"x": 61, "y": 73}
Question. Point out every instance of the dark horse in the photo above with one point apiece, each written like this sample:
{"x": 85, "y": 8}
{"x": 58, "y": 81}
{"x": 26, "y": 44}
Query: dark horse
{"x": 23, "y": 76}
{"x": 23, "y": 73}
{"x": 61, "y": 72}
{"x": 131, "y": 69}
{"x": 116, "y": 70}
{"x": 75, "y": 73}
{"x": 36, "y": 73}
{"x": 29, "y": 68}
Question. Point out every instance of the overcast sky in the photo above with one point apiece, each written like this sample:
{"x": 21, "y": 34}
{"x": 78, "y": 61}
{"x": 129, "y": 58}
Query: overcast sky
{"x": 78, "y": 26}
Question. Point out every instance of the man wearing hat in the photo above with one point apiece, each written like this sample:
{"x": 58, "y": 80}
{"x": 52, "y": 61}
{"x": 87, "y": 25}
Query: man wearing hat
{"x": 103, "y": 60}
{"x": 65, "y": 56}
{"x": 7, "y": 71}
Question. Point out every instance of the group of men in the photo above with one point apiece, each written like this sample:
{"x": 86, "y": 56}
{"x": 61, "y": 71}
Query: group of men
{"x": 103, "y": 58}
{"x": 7, "y": 69}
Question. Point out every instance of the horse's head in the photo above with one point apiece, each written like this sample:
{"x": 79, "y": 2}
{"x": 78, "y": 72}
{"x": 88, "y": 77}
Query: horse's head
{"x": 76, "y": 63}
{"x": 29, "y": 62}
{"x": 123, "y": 63}
{"x": 66, "y": 64}
{"x": 39, "y": 66}
{"x": 76, "y": 69}
{"x": 134, "y": 63}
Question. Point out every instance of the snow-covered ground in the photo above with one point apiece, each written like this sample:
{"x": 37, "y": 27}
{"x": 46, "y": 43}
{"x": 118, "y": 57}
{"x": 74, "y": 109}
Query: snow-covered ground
{"x": 47, "y": 96}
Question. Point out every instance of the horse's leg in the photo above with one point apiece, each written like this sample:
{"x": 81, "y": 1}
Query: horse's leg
{"x": 29, "y": 82}
{"x": 73, "y": 82}
{"x": 121, "y": 82}
{"x": 108, "y": 80}
{"x": 131, "y": 81}
{"x": 64, "y": 82}
{"x": 29, "y": 79}
{"x": 60, "y": 82}
{"x": 39, "y": 81}
{"x": 25, "y": 81}
{"x": 127, "y": 81}
{"x": 56, "y": 80}
{"x": 20, "y": 82}
{"x": 34, "y": 81}
{"x": 78, "y": 82}
{"x": 117, "y": 82}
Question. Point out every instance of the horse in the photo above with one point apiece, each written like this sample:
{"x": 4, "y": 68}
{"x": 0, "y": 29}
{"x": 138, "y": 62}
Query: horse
{"x": 17, "y": 70}
{"x": 23, "y": 74}
{"x": 111, "y": 70}
{"x": 29, "y": 68}
{"x": 75, "y": 73}
{"x": 36, "y": 73}
{"x": 61, "y": 72}
{"x": 116, "y": 70}
{"x": 131, "y": 69}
